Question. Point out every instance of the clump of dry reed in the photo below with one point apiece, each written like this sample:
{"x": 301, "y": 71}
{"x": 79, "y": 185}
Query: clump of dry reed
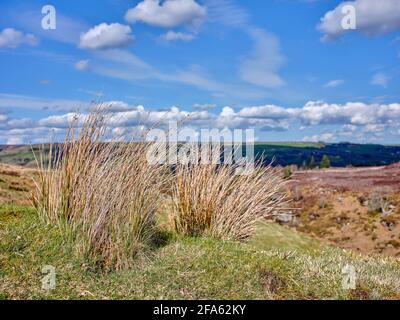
{"x": 103, "y": 195}
{"x": 211, "y": 199}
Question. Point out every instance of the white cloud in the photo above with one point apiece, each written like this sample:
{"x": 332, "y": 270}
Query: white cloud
{"x": 324, "y": 137}
{"x": 106, "y": 36}
{"x": 82, "y": 65}
{"x": 355, "y": 113}
{"x": 261, "y": 66}
{"x": 320, "y": 113}
{"x": 115, "y": 106}
{"x": 167, "y": 14}
{"x": 204, "y": 106}
{"x": 351, "y": 114}
{"x": 59, "y": 121}
{"x": 380, "y": 79}
{"x": 349, "y": 120}
{"x": 374, "y": 128}
{"x": 334, "y": 83}
{"x": 15, "y": 140}
{"x": 372, "y": 18}
{"x": 267, "y": 111}
{"x": 11, "y": 38}
{"x": 228, "y": 118}
{"x": 20, "y": 123}
{"x": 177, "y": 36}
{"x": 3, "y": 118}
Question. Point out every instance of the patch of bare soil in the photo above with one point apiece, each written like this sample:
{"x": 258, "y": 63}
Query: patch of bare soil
{"x": 356, "y": 209}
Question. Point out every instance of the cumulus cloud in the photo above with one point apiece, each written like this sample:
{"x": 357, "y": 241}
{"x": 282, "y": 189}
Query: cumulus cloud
{"x": 20, "y": 123}
{"x": 334, "y": 83}
{"x": 204, "y": 106}
{"x": 267, "y": 111}
{"x": 372, "y": 18}
{"x": 11, "y": 38}
{"x": 28, "y": 135}
{"x": 315, "y": 113}
{"x": 324, "y": 137}
{"x": 228, "y": 118}
{"x": 380, "y": 79}
{"x": 58, "y": 121}
{"x": 168, "y": 13}
{"x": 261, "y": 66}
{"x": 106, "y": 36}
{"x": 374, "y": 128}
{"x": 355, "y": 113}
{"x": 177, "y": 36}
{"x": 352, "y": 120}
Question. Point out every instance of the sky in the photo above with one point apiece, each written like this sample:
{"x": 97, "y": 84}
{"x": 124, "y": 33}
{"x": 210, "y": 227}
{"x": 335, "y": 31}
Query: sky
{"x": 286, "y": 68}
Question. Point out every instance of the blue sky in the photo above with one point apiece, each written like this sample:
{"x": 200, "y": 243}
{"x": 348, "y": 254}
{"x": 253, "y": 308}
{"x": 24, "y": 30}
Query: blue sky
{"x": 282, "y": 67}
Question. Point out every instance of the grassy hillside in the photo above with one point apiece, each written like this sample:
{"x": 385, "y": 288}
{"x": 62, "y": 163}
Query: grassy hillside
{"x": 21, "y": 155}
{"x": 276, "y": 264}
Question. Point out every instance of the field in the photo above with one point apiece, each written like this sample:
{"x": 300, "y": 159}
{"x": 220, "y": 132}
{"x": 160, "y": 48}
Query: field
{"x": 303, "y": 260}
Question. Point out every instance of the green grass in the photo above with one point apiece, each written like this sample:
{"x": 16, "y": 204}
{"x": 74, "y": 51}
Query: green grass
{"x": 273, "y": 236}
{"x": 277, "y": 264}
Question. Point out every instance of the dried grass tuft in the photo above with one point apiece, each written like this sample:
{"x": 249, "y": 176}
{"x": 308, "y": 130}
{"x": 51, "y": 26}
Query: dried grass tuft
{"x": 103, "y": 195}
{"x": 211, "y": 199}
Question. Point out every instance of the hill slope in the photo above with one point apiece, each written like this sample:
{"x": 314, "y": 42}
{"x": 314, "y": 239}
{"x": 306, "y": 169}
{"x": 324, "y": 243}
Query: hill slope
{"x": 277, "y": 264}
{"x": 283, "y": 153}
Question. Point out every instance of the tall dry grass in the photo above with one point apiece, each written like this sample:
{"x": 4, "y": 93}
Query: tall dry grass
{"x": 211, "y": 199}
{"x": 103, "y": 195}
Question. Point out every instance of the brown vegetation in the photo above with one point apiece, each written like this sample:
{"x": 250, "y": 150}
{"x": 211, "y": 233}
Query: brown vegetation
{"x": 214, "y": 200}
{"x": 351, "y": 208}
{"x": 16, "y": 185}
{"x": 105, "y": 195}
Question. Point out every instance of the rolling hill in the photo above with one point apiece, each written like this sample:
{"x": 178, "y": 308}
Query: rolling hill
{"x": 283, "y": 153}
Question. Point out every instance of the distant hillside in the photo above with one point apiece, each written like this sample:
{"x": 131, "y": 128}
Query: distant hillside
{"x": 284, "y": 153}
{"x": 340, "y": 154}
{"x": 21, "y": 155}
